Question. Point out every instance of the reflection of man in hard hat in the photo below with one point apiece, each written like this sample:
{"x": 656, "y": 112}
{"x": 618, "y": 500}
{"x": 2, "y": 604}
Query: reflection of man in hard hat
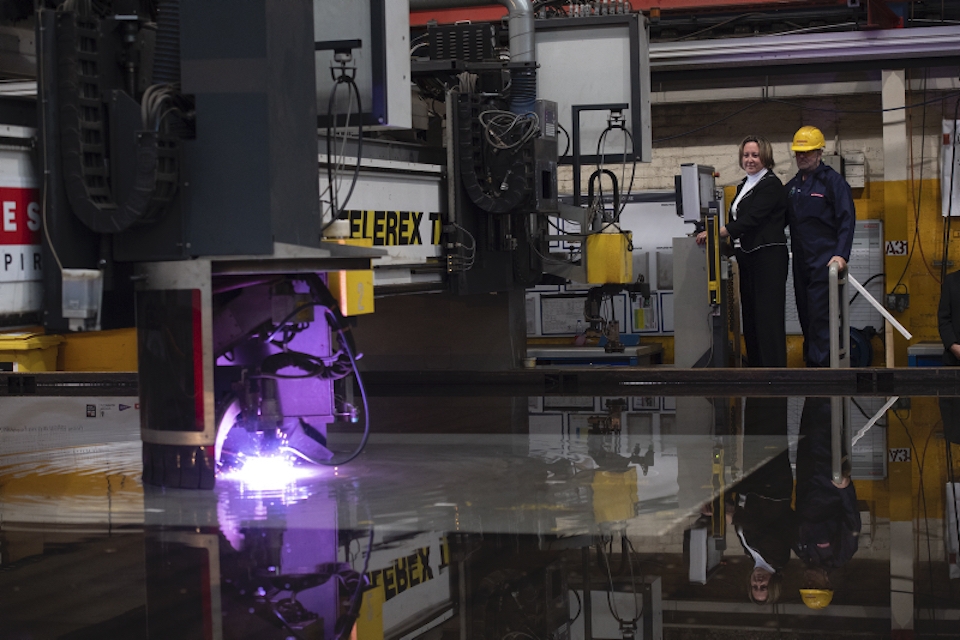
{"x": 816, "y": 592}
{"x": 829, "y": 519}
{"x": 816, "y": 598}
{"x": 822, "y": 218}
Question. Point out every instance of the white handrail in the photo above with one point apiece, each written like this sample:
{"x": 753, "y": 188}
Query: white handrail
{"x": 879, "y": 307}
{"x": 879, "y": 414}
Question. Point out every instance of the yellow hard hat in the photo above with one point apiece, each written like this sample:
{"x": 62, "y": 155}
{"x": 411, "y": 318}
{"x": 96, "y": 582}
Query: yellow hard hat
{"x": 807, "y": 139}
{"x": 816, "y": 598}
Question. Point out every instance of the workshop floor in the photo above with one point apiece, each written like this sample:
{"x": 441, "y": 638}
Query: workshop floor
{"x": 479, "y": 517}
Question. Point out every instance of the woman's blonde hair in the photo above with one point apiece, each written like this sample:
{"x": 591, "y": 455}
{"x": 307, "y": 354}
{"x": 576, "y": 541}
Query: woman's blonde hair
{"x": 774, "y": 589}
{"x": 766, "y": 151}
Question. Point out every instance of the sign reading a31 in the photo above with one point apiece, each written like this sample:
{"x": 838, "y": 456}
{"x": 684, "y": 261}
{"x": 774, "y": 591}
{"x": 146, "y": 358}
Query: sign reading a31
{"x": 896, "y": 248}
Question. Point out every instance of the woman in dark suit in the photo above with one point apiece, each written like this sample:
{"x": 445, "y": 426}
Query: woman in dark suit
{"x": 948, "y": 315}
{"x": 755, "y": 223}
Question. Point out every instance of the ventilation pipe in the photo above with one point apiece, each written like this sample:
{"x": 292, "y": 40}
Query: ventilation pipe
{"x": 522, "y": 41}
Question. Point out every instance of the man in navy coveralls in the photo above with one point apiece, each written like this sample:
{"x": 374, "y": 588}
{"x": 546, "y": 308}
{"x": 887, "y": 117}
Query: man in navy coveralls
{"x": 822, "y": 218}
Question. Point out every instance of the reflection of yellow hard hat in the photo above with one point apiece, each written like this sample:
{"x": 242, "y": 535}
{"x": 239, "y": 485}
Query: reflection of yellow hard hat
{"x": 807, "y": 139}
{"x": 816, "y": 598}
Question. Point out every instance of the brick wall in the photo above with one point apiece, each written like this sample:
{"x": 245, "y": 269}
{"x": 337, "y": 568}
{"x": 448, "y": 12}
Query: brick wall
{"x": 858, "y": 128}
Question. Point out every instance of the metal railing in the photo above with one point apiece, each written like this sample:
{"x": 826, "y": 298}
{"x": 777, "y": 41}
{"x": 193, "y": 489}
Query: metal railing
{"x": 839, "y": 315}
{"x": 840, "y": 435}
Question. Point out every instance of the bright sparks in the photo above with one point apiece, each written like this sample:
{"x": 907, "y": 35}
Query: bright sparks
{"x": 272, "y": 472}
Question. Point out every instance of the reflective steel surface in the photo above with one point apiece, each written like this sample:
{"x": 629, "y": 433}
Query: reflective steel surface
{"x": 493, "y": 517}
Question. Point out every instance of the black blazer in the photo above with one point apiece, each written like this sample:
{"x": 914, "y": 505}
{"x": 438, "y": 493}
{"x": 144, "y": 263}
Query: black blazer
{"x": 948, "y": 315}
{"x": 761, "y": 215}
{"x": 769, "y": 527}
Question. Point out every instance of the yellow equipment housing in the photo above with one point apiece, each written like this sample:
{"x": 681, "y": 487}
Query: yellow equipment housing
{"x": 608, "y": 258}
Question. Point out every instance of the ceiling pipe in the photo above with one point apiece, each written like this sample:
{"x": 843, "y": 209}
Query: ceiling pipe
{"x": 519, "y": 21}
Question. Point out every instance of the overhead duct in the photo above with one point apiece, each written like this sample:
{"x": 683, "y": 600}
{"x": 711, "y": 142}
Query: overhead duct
{"x": 866, "y": 49}
{"x": 522, "y": 43}
{"x": 519, "y": 21}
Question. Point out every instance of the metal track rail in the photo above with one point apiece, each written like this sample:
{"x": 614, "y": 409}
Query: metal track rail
{"x": 605, "y": 381}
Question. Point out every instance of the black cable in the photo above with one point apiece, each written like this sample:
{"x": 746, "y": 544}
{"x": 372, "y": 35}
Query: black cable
{"x": 638, "y": 605}
{"x": 633, "y": 170}
{"x": 603, "y": 134}
{"x": 345, "y": 623}
{"x": 356, "y": 171}
{"x": 566, "y": 233}
{"x": 633, "y": 174}
{"x": 715, "y": 26}
{"x": 631, "y": 552}
{"x": 579, "y": 606}
{"x": 336, "y": 209}
{"x": 566, "y": 133}
{"x": 916, "y": 217}
{"x": 865, "y": 283}
{"x": 286, "y": 625}
{"x": 598, "y": 198}
{"x": 310, "y": 365}
{"x": 864, "y": 413}
{"x": 707, "y": 358}
{"x": 331, "y": 153}
{"x": 330, "y": 308}
{"x": 363, "y": 396}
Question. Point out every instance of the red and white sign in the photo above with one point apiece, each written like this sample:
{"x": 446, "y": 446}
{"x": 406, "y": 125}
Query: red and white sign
{"x": 19, "y": 234}
{"x": 21, "y": 226}
{"x": 19, "y": 216}
{"x": 20, "y": 263}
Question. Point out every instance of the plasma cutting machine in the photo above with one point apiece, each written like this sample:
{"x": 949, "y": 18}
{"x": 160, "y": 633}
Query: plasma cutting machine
{"x": 181, "y": 181}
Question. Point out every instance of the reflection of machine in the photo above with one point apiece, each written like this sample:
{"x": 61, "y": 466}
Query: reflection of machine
{"x": 604, "y": 440}
{"x": 705, "y": 541}
{"x": 718, "y": 515}
{"x": 245, "y": 562}
{"x": 614, "y": 481}
{"x": 514, "y": 586}
{"x": 611, "y": 423}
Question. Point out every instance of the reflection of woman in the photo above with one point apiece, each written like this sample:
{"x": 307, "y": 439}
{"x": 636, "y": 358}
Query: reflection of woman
{"x": 759, "y": 506}
{"x": 763, "y": 517}
{"x": 756, "y": 222}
